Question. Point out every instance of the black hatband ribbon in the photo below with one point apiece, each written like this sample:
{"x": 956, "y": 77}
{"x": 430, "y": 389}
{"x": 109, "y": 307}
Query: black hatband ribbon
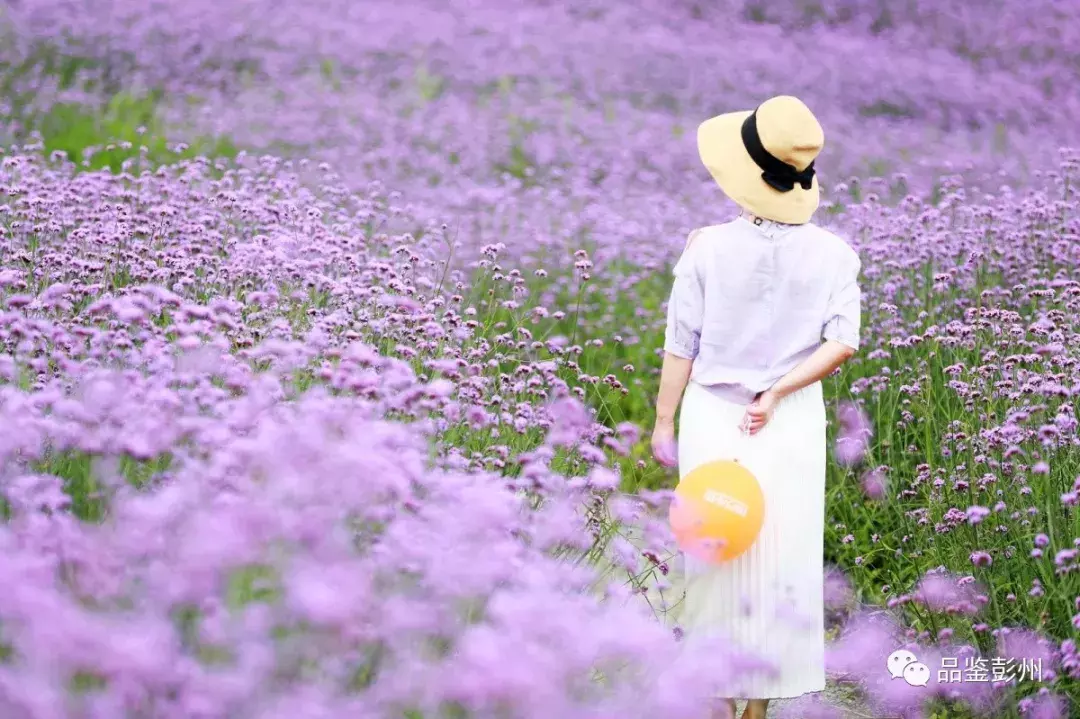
{"x": 776, "y": 173}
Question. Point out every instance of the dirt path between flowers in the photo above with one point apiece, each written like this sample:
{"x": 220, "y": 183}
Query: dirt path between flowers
{"x": 835, "y": 695}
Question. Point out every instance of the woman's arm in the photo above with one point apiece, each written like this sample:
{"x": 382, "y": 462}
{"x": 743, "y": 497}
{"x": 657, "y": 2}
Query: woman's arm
{"x": 681, "y": 339}
{"x": 825, "y": 359}
{"x": 673, "y": 379}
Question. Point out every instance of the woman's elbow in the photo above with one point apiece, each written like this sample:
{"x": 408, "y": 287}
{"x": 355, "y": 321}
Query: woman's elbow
{"x": 679, "y": 358}
{"x": 843, "y": 352}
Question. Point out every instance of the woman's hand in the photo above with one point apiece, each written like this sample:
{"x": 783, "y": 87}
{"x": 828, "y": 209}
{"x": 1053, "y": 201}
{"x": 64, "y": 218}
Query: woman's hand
{"x": 759, "y": 412}
{"x": 663, "y": 443}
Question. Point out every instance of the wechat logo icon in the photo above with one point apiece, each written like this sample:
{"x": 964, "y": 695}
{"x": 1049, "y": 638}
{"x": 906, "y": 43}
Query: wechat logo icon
{"x": 902, "y": 664}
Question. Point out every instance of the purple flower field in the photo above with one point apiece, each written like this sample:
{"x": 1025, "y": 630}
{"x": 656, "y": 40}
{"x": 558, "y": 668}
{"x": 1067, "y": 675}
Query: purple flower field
{"x": 330, "y": 331}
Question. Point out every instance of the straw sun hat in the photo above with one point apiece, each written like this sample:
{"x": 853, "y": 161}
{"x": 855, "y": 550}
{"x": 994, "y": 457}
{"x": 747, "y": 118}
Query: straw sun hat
{"x": 764, "y": 159}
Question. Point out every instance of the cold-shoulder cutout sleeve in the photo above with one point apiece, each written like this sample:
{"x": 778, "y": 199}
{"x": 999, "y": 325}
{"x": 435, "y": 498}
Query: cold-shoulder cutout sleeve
{"x": 686, "y": 304}
{"x": 842, "y": 320}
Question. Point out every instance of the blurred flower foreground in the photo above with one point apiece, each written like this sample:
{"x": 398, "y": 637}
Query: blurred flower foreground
{"x": 330, "y": 333}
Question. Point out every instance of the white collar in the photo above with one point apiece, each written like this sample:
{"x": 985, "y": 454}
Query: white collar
{"x": 770, "y": 228}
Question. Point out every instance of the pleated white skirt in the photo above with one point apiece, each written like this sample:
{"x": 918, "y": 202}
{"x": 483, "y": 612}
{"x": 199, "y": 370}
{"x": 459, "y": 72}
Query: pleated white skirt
{"x": 769, "y": 601}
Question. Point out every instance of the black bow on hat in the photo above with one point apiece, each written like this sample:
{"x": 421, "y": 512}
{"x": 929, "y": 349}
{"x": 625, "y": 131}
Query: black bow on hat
{"x": 776, "y": 173}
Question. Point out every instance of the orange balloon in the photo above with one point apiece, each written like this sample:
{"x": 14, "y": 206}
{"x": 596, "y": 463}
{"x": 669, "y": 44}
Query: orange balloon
{"x": 718, "y": 511}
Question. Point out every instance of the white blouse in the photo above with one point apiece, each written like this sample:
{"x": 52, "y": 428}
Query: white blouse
{"x": 753, "y": 298}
